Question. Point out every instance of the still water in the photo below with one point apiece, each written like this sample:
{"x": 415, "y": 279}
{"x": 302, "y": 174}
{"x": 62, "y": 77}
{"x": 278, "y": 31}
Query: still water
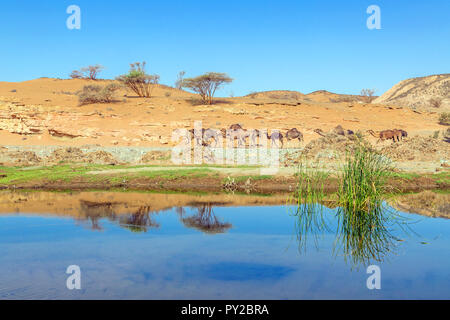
{"x": 205, "y": 250}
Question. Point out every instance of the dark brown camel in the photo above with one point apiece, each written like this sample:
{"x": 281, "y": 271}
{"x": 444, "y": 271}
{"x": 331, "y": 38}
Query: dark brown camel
{"x": 294, "y": 134}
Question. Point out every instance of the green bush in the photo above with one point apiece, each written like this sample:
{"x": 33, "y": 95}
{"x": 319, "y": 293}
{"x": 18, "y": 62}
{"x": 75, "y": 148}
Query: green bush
{"x": 138, "y": 80}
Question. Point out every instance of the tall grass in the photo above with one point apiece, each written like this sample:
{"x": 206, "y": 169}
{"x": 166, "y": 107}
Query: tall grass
{"x": 363, "y": 180}
{"x": 363, "y": 218}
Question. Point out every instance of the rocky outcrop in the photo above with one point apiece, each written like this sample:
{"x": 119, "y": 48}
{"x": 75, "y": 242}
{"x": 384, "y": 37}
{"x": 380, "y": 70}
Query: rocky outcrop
{"x": 429, "y": 93}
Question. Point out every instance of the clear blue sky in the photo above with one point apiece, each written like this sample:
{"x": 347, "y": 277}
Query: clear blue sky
{"x": 264, "y": 45}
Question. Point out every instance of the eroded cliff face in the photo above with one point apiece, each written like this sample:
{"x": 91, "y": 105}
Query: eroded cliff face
{"x": 428, "y": 93}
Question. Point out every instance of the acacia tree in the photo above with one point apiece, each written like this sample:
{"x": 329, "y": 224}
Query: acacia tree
{"x": 90, "y": 72}
{"x": 207, "y": 84}
{"x": 138, "y": 80}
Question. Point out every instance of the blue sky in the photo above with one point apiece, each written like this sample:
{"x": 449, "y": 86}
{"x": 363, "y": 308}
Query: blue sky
{"x": 264, "y": 45}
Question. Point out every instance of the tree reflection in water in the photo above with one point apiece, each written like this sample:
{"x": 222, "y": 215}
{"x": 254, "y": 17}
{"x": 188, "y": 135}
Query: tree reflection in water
{"x": 204, "y": 220}
{"x": 138, "y": 221}
{"x": 94, "y": 211}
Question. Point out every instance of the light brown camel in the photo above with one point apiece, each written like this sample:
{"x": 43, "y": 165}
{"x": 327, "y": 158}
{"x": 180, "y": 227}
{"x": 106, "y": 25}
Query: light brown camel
{"x": 386, "y": 135}
{"x": 275, "y": 136}
{"x": 338, "y": 130}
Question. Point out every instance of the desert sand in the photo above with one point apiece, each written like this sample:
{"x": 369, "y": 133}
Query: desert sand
{"x": 46, "y": 112}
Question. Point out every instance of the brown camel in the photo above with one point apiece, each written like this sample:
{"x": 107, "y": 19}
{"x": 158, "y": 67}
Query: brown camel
{"x": 294, "y": 134}
{"x": 403, "y": 133}
{"x": 386, "y": 135}
{"x": 236, "y": 126}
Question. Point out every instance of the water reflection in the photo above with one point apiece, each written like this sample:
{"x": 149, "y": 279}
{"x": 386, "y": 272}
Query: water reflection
{"x": 204, "y": 220}
{"x": 170, "y": 258}
{"x": 94, "y": 211}
{"x": 139, "y": 220}
{"x": 362, "y": 238}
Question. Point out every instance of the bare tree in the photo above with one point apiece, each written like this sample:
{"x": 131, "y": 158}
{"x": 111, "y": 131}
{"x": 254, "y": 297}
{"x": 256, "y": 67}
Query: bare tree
{"x": 138, "y": 80}
{"x": 368, "y": 94}
{"x": 90, "y": 72}
{"x": 207, "y": 84}
{"x": 179, "y": 82}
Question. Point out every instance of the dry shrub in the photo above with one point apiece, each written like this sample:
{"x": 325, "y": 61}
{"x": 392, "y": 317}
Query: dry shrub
{"x": 444, "y": 118}
{"x": 97, "y": 94}
{"x": 436, "y": 103}
{"x": 418, "y": 149}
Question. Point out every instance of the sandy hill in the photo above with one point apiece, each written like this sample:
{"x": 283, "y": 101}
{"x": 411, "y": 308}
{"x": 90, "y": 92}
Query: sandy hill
{"x": 419, "y": 93}
{"x": 277, "y": 95}
{"x": 326, "y": 96}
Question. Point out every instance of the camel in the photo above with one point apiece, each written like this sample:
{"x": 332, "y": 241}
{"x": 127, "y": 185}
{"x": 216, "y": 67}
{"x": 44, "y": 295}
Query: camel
{"x": 209, "y": 134}
{"x": 403, "y": 133}
{"x": 239, "y": 133}
{"x": 202, "y": 139}
{"x": 338, "y": 130}
{"x": 274, "y": 137}
{"x": 255, "y": 134}
{"x": 294, "y": 134}
{"x": 320, "y": 132}
{"x": 236, "y": 126}
{"x": 386, "y": 135}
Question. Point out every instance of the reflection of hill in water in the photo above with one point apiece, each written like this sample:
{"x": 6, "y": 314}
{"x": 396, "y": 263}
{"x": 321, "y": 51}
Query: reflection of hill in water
{"x": 134, "y": 211}
{"x": 74, "y": 204}
{"x": 360, "y": 242}
{"x": 427, "y": 203}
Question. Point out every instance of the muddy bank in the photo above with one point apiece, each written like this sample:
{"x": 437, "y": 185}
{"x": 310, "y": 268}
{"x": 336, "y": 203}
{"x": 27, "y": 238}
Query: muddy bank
{"x": 274, "y": 185}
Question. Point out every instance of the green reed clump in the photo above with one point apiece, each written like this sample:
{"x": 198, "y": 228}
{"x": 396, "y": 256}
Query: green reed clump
{"x": 363, "y": 219}
{"x": 363, "y": 180}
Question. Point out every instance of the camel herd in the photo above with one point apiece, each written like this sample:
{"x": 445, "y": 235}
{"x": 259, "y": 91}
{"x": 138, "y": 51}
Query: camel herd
{"x": 211, "y": 137}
